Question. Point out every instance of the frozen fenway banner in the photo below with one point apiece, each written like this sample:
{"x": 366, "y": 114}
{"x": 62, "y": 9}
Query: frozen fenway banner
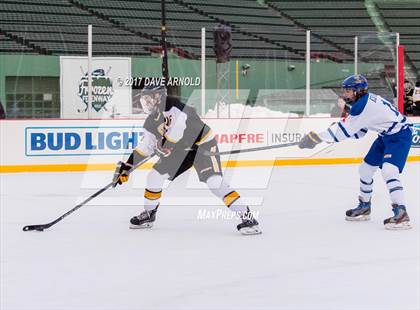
{"x": 57, "y": 145}
{"x": 109, "y": 98}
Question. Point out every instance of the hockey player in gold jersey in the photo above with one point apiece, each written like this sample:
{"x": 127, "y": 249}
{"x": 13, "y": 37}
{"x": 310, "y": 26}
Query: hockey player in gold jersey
{"x": 175, "y": 133}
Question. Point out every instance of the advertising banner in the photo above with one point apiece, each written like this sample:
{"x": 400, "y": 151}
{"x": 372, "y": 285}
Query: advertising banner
{"x": 109, "y": 98}
{"x": 25, "y": 144}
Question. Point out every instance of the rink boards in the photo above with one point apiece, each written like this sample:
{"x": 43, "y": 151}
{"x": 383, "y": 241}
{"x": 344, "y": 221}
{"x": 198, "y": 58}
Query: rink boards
{"x": 78, "y": 145}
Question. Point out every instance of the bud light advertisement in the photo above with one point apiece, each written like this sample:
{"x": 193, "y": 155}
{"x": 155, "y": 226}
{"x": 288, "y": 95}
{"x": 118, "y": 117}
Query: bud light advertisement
{"x": 79, "y": 141}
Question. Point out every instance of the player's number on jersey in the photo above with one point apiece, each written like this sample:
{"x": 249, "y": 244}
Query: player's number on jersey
{"x": 388, "y": 104}
{"x": 391, "y": 106}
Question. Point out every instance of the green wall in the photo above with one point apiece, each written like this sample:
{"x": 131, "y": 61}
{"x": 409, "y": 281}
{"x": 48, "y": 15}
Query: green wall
{"x": 26, "y": 65}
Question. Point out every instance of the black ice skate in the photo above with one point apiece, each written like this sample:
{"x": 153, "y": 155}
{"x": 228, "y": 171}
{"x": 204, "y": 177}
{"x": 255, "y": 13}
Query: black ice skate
{"x": 144, "y": 220}
{"x": 361, "y": 213}
{"x": 400, "y": 220}
{"x": 249, "y": 225}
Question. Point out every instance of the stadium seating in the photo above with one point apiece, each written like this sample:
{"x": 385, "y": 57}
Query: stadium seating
{"x": 405, "y": 19}
{"x": 249, "y": 17}
{"x": 60, "y": 28}
{"x": 8, "y": 46}
{"x": 184, "y": 27}
{"x": 260, "y": 29}
{"x": 328, "y": 18}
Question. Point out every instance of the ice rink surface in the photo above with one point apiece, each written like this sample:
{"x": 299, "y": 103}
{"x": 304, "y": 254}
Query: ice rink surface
{"x": 308, "y": 256}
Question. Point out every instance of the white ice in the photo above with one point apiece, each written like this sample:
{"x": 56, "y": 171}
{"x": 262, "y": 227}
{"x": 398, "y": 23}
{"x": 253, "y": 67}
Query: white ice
{"x": 308, "y": 256}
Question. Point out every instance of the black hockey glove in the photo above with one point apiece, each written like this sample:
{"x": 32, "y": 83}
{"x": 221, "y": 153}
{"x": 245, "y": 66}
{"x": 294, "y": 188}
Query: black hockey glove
{"x": 309, "y": 141}
{"x": 121, "y": 173}
{"x": 123, "y": 168}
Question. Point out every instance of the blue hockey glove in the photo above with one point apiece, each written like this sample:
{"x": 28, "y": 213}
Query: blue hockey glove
{"x": 309, "y": 141}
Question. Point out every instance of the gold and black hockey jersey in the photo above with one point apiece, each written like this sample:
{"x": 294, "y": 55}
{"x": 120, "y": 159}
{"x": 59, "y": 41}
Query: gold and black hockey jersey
{"x": 177, "y": 124}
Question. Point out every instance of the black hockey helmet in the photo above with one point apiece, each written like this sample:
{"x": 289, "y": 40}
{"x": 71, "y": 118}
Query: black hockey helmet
{"x": 151, "y": 96}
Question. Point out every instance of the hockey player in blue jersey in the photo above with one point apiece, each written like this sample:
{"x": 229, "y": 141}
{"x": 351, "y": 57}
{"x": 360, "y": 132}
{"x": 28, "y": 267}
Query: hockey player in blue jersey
{"x": 389, "y": 151}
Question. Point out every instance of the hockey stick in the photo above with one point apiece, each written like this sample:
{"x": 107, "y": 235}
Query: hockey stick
{"x": 41, "y": 227}
{"x": 254, "y": 149}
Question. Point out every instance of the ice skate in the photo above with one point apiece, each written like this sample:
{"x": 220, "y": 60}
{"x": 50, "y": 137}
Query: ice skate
{"x": 400, "y": 220}
{"x": 249, "y": 225}
{"x": 361, "y": 213}
{"x": 144, "y": 220}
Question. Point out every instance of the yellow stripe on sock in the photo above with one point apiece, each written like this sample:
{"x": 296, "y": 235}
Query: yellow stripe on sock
{"x": 152, "y": 195}
{"x": 230, "y": 198}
